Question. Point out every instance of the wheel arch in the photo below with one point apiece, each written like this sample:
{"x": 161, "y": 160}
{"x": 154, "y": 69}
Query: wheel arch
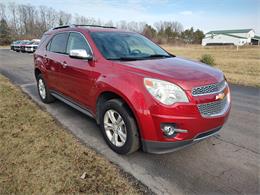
{"x": 108, "y": 95}
{"x": 37, "y": 72}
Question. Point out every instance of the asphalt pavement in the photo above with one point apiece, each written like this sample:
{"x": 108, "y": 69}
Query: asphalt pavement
{"x": 227, "y": 163}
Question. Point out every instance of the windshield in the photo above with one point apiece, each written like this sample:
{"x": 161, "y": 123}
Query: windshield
{"x": 23, "y": 42}
{"x": 127, "y": 46}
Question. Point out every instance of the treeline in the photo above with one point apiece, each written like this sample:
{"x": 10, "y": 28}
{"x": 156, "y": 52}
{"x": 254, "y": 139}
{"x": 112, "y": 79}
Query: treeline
{"x": 172, "y": 33}
{"x": 19, "y": 21}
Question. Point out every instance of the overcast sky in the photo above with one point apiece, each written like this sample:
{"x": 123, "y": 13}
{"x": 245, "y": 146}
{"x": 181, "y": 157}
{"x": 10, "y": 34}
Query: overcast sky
{"x": 203, "y": 14}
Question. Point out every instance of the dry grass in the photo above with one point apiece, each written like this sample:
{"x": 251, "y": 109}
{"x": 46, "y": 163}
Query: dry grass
{"x": 37, "y": 156}
{"x": 4, "y": 47}
{"x": 240, "y": 67}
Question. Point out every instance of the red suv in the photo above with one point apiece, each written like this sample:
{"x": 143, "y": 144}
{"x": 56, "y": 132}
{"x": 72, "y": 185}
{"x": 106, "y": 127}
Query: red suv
{"x": 139, "y": 94}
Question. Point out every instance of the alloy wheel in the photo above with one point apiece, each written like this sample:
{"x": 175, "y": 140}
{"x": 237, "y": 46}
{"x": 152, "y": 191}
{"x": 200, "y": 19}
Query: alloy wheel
{"x": 115, "y": 128}
{"x": 42, "y": 89}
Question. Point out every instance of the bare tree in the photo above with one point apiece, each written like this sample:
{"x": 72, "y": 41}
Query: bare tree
{"x": 109, "y": 23}
{"x": 51, "y": 18}
{"x": 122, "y": 24}
{"x": 2, "y": 11}
{"x": 32, "y": 16}
{"x": 133, "y": 26}
{"x": 141, "y": 26}
{"x": 80, "y": 19}
{"x": 13, "y": 17}
{"x": 27, "y": 21}
{"x": 43, "y": 10}
{"x": 65, "y": 17}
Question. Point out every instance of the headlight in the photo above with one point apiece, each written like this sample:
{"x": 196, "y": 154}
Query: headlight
{"x": 167, "y": 93}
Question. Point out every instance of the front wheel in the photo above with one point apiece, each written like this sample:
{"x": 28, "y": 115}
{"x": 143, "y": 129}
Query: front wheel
{"x": 43, "y": 90}
{"x": 119, "y": 127}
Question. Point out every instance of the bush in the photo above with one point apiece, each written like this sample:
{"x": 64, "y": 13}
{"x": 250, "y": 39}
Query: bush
{"x": 208, "y": 59}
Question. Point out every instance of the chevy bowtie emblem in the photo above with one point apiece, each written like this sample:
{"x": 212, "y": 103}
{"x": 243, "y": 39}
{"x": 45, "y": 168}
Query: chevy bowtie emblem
{"x": 220, "y": 96}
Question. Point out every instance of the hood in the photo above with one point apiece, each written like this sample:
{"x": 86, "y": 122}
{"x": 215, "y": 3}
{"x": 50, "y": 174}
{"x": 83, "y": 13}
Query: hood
{"x": 186, "y": 73}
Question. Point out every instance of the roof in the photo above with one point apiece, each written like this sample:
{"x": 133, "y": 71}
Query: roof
{"x": 229, "y": 31}
{"x": 234, "y": 36}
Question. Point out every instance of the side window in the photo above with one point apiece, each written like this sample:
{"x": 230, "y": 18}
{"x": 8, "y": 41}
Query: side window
{"x": 58, "y": 43}
{"x": 43, "y": 39}
{"x": 77, "y": 41}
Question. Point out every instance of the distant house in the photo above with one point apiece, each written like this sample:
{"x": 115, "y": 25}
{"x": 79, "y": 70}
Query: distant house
{"x": 237, "y": 37}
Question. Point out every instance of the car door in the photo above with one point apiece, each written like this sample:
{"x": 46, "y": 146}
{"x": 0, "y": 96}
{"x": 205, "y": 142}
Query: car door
{"x": 54, "y": 56}
{"x": 76, "y": 74}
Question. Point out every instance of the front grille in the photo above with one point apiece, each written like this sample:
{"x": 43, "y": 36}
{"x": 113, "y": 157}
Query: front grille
{"x": 212, "y": 109}
{"x": 209, "y": 89}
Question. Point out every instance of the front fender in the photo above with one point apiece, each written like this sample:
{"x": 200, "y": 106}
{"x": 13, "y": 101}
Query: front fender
{"x": 131, "y": 89}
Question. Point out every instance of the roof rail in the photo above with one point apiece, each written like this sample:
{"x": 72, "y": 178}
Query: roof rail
{"x": 92, "y": 25}
{"x": 81, "y": 25}
{"x": 65, "y": 26}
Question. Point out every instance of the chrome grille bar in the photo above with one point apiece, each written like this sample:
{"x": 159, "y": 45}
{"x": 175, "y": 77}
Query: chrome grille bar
{"x": 209, "y": 89}
{"x": 213, "y": 109}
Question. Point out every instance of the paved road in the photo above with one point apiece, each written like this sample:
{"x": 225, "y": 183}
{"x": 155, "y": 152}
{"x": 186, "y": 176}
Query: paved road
{"x": 227, "y": 163}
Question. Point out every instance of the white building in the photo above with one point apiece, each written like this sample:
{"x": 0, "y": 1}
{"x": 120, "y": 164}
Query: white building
{"x": 231, "y": 37}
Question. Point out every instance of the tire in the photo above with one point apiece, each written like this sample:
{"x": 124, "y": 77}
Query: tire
{"x": 43, "y": 90}
{"x": 129, "y": 127}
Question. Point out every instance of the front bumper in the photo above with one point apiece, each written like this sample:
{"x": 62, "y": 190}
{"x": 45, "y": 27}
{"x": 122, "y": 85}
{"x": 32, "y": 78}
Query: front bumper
{"x": 29, "y": 49}
{"x": 17, "y": 48}
{"x": 157, "y": 147}
{"x": 186, "y": 117}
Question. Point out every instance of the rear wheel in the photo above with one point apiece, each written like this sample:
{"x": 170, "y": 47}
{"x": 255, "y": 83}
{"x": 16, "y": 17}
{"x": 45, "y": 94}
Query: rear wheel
{"x": 119, "y": 127}
{"x": 43, "y": 90}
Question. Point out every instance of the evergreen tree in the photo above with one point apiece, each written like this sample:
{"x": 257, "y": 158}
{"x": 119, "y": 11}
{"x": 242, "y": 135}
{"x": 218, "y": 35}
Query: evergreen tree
{"x": 149, "y": 31}
{"x": 4, "y": 33}
{"x": 191, "y": 36}
{"x": 198, "y": 36}
{"x": 60, "y": 22}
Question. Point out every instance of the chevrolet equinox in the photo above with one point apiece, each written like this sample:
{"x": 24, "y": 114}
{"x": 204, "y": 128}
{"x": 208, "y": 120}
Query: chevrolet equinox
{"x": 138, "y": 93}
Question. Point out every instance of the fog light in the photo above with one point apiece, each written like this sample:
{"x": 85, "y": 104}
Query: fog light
{"x": 168, "y": 130}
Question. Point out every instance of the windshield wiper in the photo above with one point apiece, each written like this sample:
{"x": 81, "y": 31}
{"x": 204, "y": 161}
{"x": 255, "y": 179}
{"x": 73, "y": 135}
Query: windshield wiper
{"x": 140, "y": 57}
{"x": 124, "y": 59}
{"x": 158, "y": 56}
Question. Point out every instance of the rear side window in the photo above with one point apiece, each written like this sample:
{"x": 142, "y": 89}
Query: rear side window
{"x": 43, "y": 39}
{"x": 77, "y": 41}
{"x": 58, "y": 43}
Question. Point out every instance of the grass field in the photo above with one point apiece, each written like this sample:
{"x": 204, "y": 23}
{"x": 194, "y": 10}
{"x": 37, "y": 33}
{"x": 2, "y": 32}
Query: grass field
{"x": 4, "y": 47}
{"x": 240, "y": 67}
{"x": 37, "y": 156}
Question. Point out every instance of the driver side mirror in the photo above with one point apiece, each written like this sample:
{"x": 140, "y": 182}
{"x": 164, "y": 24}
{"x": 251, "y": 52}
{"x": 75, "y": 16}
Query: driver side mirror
{"x": 80, "y": 54}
